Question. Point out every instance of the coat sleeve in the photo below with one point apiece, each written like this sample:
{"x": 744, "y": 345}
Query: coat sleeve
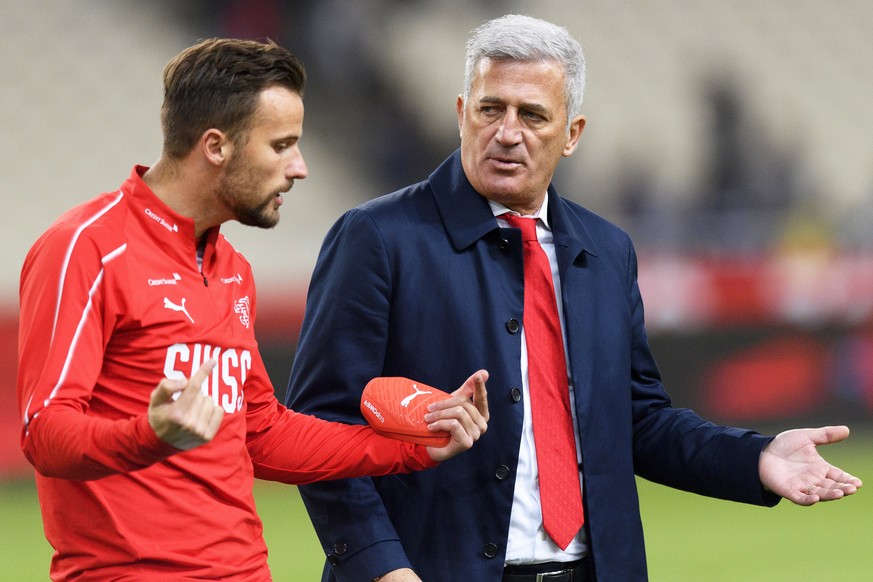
{"x": 63, "y": 332}
{"x": 343, "y": 343}
{"x": 675, "y": 446}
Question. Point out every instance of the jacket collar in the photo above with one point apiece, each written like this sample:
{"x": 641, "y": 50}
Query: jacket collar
{"x": 467, "y": 216}
{"x": 168, "y": 228}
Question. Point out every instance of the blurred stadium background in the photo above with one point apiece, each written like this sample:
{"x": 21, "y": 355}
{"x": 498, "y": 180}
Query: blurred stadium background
{"x": 731, "y": 139}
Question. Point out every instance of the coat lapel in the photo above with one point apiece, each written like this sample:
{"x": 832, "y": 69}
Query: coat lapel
{"x": 465, "y": 213}
{"x": 576, "y": 254}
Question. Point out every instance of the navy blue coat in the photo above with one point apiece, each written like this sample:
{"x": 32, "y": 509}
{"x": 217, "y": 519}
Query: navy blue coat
{"x": 423, "y": 283}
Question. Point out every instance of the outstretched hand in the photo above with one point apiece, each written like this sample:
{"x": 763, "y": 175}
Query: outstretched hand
{"x": 464, "y": 415}
{"x": 181, "y": 414}
{"x": 791, "y": 467}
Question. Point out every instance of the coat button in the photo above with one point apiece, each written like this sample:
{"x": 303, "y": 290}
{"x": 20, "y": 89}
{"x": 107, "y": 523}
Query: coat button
{"x": 502, "y": 472}
{"x": 512, "y": 325}
{"x": 515, "y": 394}
{"x": 490, "y": 550}
{"x": 331, "y": 559}
{"x": 503, "y": 244}
{"x": 340, "y": 548}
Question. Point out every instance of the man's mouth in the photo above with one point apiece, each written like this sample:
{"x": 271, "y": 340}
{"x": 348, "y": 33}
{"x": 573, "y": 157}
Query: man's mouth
{"x": 503, "y": 162}
{"x": 277, "y": 196}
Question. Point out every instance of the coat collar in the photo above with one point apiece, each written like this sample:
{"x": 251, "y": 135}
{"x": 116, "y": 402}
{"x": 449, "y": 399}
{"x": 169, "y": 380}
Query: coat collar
{"x": 467, "y": 216}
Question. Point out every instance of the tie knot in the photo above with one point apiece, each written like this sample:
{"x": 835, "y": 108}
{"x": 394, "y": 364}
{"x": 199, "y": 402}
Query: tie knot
{"x": 528, "y": 226}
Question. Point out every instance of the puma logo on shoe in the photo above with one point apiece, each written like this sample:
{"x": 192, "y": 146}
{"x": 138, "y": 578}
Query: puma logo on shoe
{"x": 405, "y": 402}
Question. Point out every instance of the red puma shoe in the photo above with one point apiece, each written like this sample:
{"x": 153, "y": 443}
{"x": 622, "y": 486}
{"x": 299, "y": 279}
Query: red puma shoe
{"x": 395, "y": 407}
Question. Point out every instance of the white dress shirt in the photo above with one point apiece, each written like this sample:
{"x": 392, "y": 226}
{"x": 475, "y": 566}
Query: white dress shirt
{"x": 528, "y": 541}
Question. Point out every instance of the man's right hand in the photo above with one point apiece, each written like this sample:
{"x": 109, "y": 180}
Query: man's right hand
{"x": 181, "y": 415}
{"x": 402, "y": 575}
{"x": 465, "y": 416}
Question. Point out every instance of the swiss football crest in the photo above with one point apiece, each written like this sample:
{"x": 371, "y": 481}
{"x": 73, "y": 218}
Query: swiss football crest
{"x": 241, "y": 306}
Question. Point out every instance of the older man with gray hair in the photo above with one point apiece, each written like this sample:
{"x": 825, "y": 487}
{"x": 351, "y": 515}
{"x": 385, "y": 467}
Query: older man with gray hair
{"x": 485, "y": 264}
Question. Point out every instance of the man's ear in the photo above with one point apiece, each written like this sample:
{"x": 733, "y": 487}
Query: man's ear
{"x": 216, "y": 146}
{"x": 459, "y": 106}
{"x": 577, "y": 126}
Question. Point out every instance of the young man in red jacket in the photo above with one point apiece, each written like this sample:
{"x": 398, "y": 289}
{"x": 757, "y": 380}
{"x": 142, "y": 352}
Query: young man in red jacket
{"x": 136, "y": 289}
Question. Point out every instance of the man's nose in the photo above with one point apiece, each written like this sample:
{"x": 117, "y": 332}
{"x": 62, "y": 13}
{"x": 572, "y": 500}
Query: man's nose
{"x": 297, "y": 169}
{"x": 509, "y": 132}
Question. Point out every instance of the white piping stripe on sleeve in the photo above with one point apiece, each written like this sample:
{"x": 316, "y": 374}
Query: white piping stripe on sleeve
{"x": 69, "y": 359}
{"x": 72, "y": 244}
{"x": 26, "y": 408}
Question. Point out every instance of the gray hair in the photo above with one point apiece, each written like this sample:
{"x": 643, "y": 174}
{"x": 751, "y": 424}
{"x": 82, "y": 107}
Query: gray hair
{"x": 516, "y": 37}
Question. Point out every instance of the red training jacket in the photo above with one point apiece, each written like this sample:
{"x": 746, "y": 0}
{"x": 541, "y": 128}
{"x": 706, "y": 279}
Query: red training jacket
{"x": 112, "y": 301}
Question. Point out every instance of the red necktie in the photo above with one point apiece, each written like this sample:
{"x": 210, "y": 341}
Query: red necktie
{"x": 560, "y": 493}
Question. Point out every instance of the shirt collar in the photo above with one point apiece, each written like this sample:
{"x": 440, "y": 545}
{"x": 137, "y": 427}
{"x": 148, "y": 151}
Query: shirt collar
{"x": 542, "y": 213}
